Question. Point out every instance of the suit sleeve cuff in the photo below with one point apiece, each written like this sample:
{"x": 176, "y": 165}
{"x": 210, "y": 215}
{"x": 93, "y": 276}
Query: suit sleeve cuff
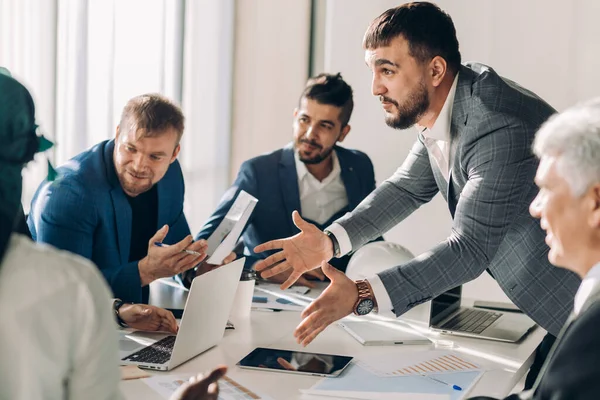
{"x": 384, "y": 303}
{"x": 342, "y": 237}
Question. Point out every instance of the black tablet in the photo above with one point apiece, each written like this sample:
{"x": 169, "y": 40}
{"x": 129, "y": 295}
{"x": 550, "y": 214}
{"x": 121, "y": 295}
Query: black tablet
{"x": 297, "y": 362}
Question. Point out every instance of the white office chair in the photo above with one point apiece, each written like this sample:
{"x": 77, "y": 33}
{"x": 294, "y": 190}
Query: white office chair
{"x": 375, "y": 257}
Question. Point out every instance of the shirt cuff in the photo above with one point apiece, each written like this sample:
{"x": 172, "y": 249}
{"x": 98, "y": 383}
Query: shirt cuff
{"x": 384, "y": 303}
{"x": 342, "y": 237}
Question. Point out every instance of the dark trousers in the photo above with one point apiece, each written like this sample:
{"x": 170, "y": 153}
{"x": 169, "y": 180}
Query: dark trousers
{"x": 541, "y": 353}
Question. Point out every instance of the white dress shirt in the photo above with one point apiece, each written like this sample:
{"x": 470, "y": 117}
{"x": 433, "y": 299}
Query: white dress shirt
{"x": 437, "y": 142}
{"x": 320, "y": 200}
{"x": 58, "y": 335}
{"x": 585, "y": 289}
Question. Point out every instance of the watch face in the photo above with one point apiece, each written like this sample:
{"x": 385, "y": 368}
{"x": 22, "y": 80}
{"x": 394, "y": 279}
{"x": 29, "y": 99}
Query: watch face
{"x": 365, "y": 306}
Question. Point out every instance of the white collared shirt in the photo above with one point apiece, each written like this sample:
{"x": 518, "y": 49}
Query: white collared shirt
{"x": 585, "y": 289}
{"x": 437, "y": 139}
{"x": 437, "y": 142}
{"x": 58, "y": 332}
{"x": 320, "y": 200}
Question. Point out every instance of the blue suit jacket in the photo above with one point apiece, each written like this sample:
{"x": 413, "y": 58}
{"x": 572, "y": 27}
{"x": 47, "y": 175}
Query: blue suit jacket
{"x": 273, "y": 180}
{"x": 85, "y": 211}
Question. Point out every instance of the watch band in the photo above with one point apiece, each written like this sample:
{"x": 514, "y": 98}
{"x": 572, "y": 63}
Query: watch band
{"x": 336, "y": 245}
{"x": 117, "y": 304}
{"x": 364, "y": 293}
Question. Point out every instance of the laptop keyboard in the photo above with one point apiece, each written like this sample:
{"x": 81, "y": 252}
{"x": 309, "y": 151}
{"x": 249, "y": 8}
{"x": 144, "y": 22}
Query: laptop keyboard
{"x": 471, "y": 321}
{"x": 157, "y": 353}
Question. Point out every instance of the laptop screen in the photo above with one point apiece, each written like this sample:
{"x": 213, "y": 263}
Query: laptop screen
{"x": 444, "y": 305}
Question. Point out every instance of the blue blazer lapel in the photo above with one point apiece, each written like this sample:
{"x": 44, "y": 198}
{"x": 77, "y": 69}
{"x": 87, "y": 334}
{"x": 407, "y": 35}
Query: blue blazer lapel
{"x": 350, "y": 178}
{"x": 121, "y": 206}
{"x": 288, "y": 182}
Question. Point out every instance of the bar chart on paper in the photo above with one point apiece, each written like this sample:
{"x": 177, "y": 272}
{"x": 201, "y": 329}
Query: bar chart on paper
{"x": 418, "y": 363}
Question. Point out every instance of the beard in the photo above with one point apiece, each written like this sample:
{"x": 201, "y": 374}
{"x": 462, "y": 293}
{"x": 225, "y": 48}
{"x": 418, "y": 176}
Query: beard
{"x": 134, "y": 187}
{"x": 410, "y": 111}
{"x": 315, "y": 159}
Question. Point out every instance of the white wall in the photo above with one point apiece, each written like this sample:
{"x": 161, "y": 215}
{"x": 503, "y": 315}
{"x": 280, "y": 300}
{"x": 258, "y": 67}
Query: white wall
{"x": 550, "y": 47}
{"x": 207, "y": 100}
{"x": 270, "y": 69}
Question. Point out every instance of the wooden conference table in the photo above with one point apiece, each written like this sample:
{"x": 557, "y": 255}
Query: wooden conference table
{"x": 505, "y": 363}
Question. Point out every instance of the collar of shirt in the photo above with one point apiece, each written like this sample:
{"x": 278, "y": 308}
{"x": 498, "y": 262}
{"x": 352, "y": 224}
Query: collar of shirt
{"x": 303, "y": 172}
{"x": 585, "y": 289}
{"x": 441, "y": 127}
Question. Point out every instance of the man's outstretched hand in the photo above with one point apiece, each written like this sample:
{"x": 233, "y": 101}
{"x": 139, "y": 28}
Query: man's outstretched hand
{"x": 334, "y": 303}
{"x": 301, "y": 253}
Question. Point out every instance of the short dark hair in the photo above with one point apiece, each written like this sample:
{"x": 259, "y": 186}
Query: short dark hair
{"x": 151, "y": 114}
{"x": 332, "y": 90}
{"x": 428, "y": 30}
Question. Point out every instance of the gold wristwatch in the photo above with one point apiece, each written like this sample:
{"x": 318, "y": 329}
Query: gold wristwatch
{"x": 366, "y": 299}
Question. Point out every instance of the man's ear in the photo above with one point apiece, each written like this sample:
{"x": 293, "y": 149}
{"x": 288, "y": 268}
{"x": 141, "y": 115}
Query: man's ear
{"x": 594, "y": 218}
{"x": 438, "y": 69}
{"x": 345, "y": 132}
{"x": 295, "y": 114}
{"x": 175, "y": 153}
{"x": 118, "y": 130}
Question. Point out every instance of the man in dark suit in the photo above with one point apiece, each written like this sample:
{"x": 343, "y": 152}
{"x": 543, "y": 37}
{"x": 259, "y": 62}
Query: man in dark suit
{"x": 312, "y": 175}
{"x": 113, "y": 202}
{"x": 475, "y": 130}
{"x": 568, "y": 206}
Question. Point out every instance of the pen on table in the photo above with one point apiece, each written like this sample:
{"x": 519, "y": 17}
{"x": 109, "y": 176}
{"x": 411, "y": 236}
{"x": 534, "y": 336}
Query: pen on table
{"x": 455, "y": 387}
{"x": 192, "y": 252}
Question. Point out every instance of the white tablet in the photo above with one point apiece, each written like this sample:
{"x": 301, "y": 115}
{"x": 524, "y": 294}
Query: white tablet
{"x": 379, "y": 333}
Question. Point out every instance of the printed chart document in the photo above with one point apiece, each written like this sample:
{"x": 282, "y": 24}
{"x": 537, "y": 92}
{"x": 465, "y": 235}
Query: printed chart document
{"x": 224, "y": 238}
{"x": 418, "y": 363}
{"x": 229, "y": 389}
{"x": 374, "y": 378}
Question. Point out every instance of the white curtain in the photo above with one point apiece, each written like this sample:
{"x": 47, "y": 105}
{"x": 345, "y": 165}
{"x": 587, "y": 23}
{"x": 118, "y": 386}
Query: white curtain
{"x": 83, "y": 59}
{"x": 108, "y": 52}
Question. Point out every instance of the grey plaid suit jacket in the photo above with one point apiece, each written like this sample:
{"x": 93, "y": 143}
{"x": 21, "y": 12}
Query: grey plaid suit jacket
{"x": 494, "y": 122}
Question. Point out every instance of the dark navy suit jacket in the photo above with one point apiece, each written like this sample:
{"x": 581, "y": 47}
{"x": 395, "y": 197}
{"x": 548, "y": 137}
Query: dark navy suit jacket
{"x": 85, "y": 211}
{"x": 273, "y": 180}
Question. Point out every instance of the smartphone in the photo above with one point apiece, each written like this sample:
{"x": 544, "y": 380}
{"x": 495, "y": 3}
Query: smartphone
{"x": 296, "y": 362}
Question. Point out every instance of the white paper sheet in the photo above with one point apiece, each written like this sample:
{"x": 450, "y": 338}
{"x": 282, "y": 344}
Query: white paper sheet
{"x": 270, "y": 296}
{"x": 376, "y": 395}
{"x": 224, "y": 238}
{"x": 166, "y": 385}
{"x": 417, "y": 363}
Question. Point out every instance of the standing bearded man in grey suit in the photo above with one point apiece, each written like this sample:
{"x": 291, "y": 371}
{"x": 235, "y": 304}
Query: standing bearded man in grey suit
{"x": 475, "y": 131}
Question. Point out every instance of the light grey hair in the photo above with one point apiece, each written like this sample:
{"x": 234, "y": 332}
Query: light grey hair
{"x": 573, "y": 136}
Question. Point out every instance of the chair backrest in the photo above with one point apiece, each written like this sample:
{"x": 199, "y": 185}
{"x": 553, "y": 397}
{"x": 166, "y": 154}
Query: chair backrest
{"x": 375, "y": 257}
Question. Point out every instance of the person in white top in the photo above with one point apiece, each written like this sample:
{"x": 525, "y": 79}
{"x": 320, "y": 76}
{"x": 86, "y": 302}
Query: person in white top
{"x": 313, "y": 175}
{"x": 58, "y": 334}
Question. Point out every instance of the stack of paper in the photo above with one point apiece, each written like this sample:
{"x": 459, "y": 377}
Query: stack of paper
{"x": 373, "y": 378}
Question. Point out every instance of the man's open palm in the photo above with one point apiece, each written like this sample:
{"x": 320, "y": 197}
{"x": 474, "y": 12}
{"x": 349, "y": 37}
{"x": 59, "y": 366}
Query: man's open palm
{"x": 302, "y": 252}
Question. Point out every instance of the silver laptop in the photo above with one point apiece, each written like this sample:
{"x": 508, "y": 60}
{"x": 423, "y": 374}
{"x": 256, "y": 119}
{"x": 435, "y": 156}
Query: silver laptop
{"x": 447, "y": 316}
{"x": 202, "y": 324}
